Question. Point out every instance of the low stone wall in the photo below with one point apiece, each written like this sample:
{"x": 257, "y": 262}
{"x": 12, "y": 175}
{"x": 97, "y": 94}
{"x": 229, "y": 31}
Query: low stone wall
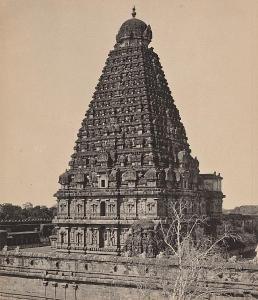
{"x": 62, "y": 276}
{"x": 28, "y": 288}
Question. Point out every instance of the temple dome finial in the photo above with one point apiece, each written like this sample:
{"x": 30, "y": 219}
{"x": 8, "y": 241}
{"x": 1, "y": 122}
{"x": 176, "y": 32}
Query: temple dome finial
{"x": 134, "y": 12}
{"x": 134, "y": 31}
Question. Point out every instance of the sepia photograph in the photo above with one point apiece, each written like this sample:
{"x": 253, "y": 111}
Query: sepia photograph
{"x": 129, "y": 150}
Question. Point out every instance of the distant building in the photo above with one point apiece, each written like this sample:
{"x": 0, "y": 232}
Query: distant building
{"x": 25, "y": 233}
{"x": 244, "y": 210}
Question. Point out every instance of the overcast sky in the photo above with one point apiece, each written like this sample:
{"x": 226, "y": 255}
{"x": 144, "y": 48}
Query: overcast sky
{"x": 52, "y": 53}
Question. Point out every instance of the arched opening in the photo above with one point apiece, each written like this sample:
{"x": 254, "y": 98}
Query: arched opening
{"x": 102, "y": 208}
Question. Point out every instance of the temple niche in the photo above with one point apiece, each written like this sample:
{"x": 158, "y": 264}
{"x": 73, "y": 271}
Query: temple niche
{"x": 131, "y": 158}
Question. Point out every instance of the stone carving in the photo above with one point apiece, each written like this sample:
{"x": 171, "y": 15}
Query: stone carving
{"x": 5, "y": 249}
{"x": 151, "y": 174}
{"x": 130, "y": 175}
{"x": 169, "y": 174}
{"x": 112, "y": 238}
{"x": 114, "y": 175}
{"x": 92, "y": 179}
{"x": 17, "y": 250}
{"x": 94, "y": 237}
{"x": 79, "y": 177}
{"x": 64, "y": 178}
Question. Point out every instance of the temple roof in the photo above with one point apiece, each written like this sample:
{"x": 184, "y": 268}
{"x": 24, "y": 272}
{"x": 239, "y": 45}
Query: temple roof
{"x": 132, "y": 131}
{"x": 134, "y": 29}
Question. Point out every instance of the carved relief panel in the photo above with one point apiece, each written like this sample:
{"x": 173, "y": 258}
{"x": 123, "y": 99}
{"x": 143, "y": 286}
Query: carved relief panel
{"x": 92, "y": 237}
{"x": 141, "y": 206}
{"x": 63, "y": 238}
{"x": 111, "y": 208}
{"x": 131, "y": 208}
{"x": 110, "y": 237}
{"x": 123, "y": 236}
{"x": 78, "y": 238}
{"x": 128, "y": 208}
{"x": 94, "y": 208}
{"x": 151, "y": 207}
{"x": 78, "y": 208}
{"x": 63, "y": 208}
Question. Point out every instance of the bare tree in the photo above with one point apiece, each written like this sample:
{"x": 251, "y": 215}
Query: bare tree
{"x": 195, "y": 251}
{"x": 190, "y": 250}
{"x": 198, "y": 255}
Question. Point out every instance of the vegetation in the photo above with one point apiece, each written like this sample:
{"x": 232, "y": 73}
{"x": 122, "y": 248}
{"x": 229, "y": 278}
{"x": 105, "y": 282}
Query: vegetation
{"x": 198, "y": 256}
{"x": 9, "y": 211}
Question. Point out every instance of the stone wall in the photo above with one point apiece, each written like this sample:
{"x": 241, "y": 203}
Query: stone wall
{"x": 29, "y": 288}
{"x": 62, "y": 276}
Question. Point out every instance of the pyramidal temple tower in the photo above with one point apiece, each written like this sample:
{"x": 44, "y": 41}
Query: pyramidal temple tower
{"x": 131, "y": 158}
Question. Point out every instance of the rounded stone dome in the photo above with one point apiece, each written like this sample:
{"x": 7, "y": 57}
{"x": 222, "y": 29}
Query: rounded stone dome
{"x": 134, "y": 29}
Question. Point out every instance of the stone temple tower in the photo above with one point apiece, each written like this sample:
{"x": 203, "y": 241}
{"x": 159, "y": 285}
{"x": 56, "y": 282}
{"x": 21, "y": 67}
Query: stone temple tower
{"x": 131, "y": 157}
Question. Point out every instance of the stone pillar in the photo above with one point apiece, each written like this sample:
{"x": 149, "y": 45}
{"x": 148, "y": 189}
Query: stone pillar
{"x": 54, "y": 284}
{"x": 95, "y": 236}
{"x": 64, "y": 286}
{"x": 72, "y": 235}
{"x": 89, "y": 236}
{"x": 45, "y": 284}
{"x": 107, "y": 242}
{"x": 75, "y": 287}
{"x": 96, "y": 229}
{"x": 114, "y": 241}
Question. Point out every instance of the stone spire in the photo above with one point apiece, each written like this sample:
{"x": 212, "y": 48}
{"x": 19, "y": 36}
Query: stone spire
{"x": 131, "y": 157}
